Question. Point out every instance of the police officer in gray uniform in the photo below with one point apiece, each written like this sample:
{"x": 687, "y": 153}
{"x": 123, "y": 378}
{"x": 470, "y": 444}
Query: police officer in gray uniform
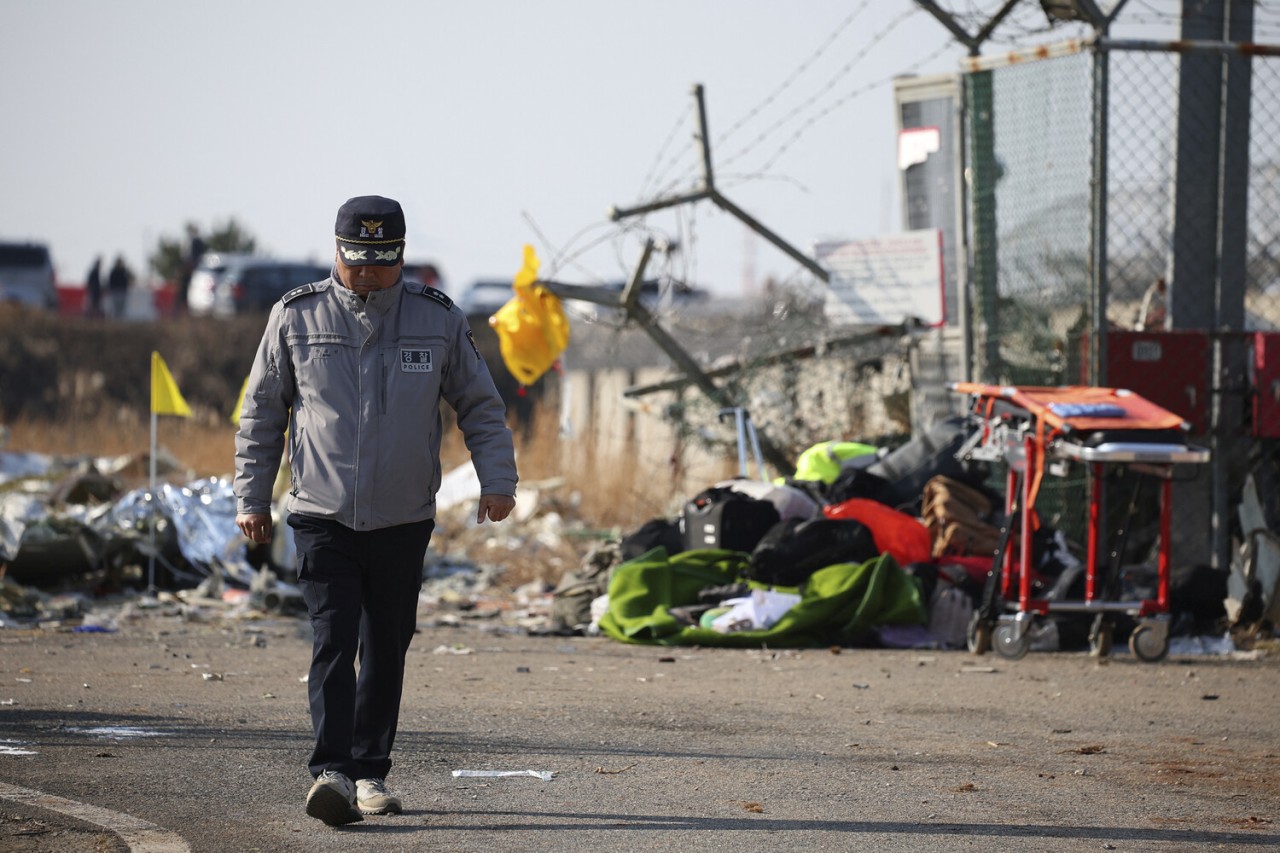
{"x": 353, "y": 370}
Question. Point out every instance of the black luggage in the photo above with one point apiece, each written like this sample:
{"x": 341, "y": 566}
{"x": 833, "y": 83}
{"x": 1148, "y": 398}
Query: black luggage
{"x": 929, "y": 455}
{"x": 654, "y": 533}
{"x": 794, "y": 549}
{"x": 723, "y": 518}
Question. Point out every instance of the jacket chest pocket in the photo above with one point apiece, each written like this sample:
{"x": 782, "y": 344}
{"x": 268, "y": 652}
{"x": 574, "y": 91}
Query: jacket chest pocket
{"x": 322, "y": 359}
{"x": 319, "y": 355}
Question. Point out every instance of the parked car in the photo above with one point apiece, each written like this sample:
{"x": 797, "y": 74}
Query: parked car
{"x": 26, "y": 275}
{"x": 424, "y": 272}
{"x": 227, "y": 284}
{"x": 654, "y": 295}
{"x": 483, "y": 298}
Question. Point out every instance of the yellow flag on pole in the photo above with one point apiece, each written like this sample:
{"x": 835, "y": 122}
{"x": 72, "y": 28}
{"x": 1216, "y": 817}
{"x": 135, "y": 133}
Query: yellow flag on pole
{"x": 166, "y": 399}
{"x": 235, "y": 414}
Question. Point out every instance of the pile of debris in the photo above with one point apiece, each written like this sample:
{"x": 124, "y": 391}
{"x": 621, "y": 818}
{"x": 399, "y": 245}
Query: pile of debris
{"x": 764, "y": 561}
{"x": 78, "y": 550}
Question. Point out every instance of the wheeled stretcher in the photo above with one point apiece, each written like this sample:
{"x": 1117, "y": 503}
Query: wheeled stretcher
{"x": 1041, "y": 430}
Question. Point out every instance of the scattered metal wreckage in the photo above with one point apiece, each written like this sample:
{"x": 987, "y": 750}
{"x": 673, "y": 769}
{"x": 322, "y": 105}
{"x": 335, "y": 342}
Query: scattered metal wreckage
{"x": 75, "y": 546}
{"x": 62, "y": 518}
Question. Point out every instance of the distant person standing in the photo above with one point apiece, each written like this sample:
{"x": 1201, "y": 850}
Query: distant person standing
{"x": 118, "y": 281}
{"x": 196, "y": 248}
{"x": 93, "y": 289}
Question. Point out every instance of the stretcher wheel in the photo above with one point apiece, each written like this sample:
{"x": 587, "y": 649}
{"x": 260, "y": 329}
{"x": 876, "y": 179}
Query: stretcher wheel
{"x": 978, "y": 635}
{"x": 1101, "y": 638}
{"x": 1148, "y": 644}
{"x": 1008, "y": 644}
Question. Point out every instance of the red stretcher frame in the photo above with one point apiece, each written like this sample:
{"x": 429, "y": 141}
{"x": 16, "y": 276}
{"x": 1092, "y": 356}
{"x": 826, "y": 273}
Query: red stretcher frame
{"x": 1041, "y": 424}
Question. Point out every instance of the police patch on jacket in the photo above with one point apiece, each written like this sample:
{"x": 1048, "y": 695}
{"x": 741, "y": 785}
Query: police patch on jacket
{"x": 415, "y": 360}
{"x": 471, "y": 337}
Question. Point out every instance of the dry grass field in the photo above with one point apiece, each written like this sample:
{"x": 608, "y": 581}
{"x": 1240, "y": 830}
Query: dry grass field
{"x": 72, "y": 386}
{"x": 611, "y": 493}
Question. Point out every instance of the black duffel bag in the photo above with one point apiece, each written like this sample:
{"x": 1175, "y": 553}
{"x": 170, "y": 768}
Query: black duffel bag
{"x": 794, "y": 549}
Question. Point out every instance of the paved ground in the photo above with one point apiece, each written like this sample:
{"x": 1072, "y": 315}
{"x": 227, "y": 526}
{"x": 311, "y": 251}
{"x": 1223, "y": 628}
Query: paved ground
{"x": 174, "y": 735}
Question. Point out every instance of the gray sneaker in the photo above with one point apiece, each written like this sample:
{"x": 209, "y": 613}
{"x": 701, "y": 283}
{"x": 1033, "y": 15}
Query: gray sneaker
{"x": 332, "y": 799}
{"x": 372, "y": 797}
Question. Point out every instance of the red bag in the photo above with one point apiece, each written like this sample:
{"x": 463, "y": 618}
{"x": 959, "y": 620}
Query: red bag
{"x": 902, "y": 536}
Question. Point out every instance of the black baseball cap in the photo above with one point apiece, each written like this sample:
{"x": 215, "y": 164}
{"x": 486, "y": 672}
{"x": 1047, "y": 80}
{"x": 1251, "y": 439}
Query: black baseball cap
{"x": 370, "y": 230}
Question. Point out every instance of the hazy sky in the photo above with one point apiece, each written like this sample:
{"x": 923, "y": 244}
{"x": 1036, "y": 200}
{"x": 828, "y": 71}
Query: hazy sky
{"x": 495, "y": 124}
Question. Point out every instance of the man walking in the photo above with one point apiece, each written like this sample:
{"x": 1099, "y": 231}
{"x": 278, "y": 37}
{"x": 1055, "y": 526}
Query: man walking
{"x": 353, "y": 368}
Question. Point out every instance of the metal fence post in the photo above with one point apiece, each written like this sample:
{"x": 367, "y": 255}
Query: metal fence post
{"x": 1098, "y": 209}
{"x": 980, "y": 107}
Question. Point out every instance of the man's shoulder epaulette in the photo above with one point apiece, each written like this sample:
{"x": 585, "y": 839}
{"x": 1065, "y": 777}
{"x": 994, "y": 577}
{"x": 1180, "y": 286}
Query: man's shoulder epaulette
{"x": 313, "y": 287}
{"x": 437, "y": 295}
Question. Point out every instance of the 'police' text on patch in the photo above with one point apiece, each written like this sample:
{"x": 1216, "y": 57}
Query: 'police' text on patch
{"x": 415, "y": 360}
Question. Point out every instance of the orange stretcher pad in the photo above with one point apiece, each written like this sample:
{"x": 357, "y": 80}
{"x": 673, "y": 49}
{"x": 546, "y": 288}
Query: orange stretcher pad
{"x": 1061, "y": 416}
{"x": 1080, "y": 408}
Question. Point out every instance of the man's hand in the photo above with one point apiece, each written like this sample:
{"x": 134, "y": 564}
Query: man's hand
{"x": 256, "y": 526}
{"x": 495, "y": 507}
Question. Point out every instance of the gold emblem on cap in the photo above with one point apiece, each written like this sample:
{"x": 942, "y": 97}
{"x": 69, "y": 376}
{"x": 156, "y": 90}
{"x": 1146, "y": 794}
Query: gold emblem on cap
{"x": 371, "y": 227}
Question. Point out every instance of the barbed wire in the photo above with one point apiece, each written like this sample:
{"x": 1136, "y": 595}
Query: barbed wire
{"x": 692, "y": 169}
{"x": 795, "y": 75}
{"x": 844, "y": 99}
{"x": 652, "y": 177}
{"x": 828, "y": 86}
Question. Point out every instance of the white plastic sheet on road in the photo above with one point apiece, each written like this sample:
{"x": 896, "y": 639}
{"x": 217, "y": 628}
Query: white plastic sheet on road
{"x": 544, "y": 775}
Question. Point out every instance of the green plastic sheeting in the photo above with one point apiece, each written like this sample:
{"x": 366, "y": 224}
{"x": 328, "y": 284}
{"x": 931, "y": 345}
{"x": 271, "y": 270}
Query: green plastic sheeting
{"x": 839, "y": 604}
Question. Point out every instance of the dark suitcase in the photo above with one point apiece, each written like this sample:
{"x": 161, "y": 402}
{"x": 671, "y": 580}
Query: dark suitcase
{"x": 727, "y": 519}
{"x": 929, "y": 455}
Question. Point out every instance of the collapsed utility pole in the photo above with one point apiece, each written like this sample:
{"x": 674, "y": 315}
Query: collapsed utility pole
{"x": 629, "y": 300}
{"x": 708, "y": 192}
{"x": 814, "y": 350}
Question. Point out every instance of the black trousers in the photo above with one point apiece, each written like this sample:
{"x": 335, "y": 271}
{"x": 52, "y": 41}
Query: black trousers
{"x": 361, "y": 589}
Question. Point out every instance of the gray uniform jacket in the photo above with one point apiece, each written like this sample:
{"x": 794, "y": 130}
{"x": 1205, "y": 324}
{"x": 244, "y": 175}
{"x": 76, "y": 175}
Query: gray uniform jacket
{"x": 358, "y": 386}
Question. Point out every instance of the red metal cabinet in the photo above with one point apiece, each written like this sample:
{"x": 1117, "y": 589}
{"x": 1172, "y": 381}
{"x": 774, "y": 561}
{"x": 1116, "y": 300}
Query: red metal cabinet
{"x": 1171, "y": 369}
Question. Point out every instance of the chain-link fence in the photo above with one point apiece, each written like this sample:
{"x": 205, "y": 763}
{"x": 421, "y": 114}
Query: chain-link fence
{"x": 1125, "y": 210}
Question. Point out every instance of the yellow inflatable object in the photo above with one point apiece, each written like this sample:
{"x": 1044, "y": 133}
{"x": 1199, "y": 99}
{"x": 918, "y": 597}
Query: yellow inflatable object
{"x": 532, "y": 327}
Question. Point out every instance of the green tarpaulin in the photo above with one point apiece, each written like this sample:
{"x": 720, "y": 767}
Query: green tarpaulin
{"x": 839, "y": 604}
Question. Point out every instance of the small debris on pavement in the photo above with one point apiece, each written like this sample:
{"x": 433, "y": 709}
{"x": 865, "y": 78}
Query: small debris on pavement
{"x": 604, "y": 772}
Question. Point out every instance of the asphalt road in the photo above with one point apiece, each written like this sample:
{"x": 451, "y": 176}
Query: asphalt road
{"x": 173, "y": 735}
